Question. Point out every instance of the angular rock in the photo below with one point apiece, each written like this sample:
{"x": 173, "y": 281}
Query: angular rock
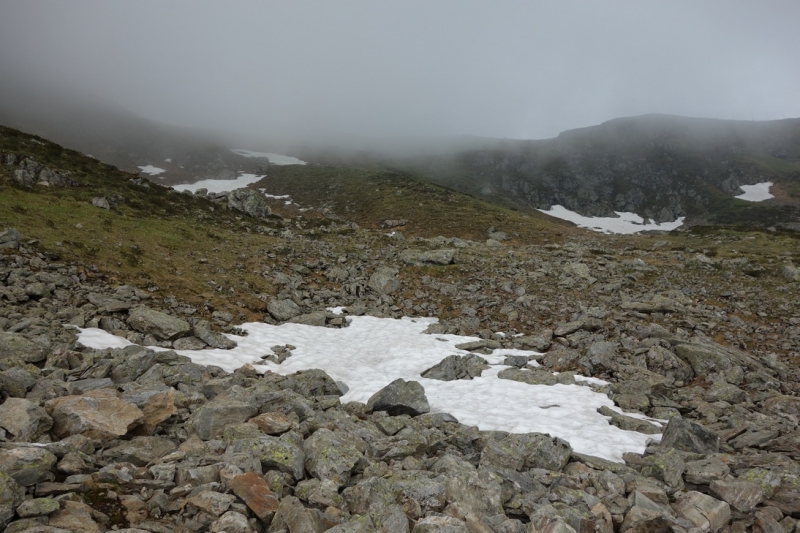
{"x": 24, "y": 420}
{"x": 231, "y": 522}
{"x": 250, "y": 201}
{"x": 430, "y": 257}
{"x": 292, "y": 516}
{"x": 783, "y": 406}
{"x": 706, "y": 513}
{"x": 160, "y": 325}
{"x": 27, "y": 465}
{"x": 310, "y": 383}
{"x": 400, "y": 397}
{"x": 704, "y": 359}
{"x": 645, "y": 515}
{"x": 384, "y": 280}
{"x": 214, "y": 503}
{"x": 254, "y": 491}
{"x": 202, "y": 330}
{"x": 140, "y": 450}
{"x": 210, "y": 420}
{"x": 329, "y": 457}
{"x": 98, "y": 414}
{"x": 455, "y": 367}
{"x": 705, "y": 471}
{"x": 741, "y": 495}
{"x": 134, "y": 362}
{"x": 272, "y": 423}
{"x": 283, "y": 309}
{"x": 478, "y": 492}
{"x": 11, "y": 495}
{"x": 15, "y": 345}
{"x": 156, "y": 406}
{"x": 689, "y": 436}
{"x": 440, "y": 524}
{"x": 9, "y": 238}
{"x": 75, "y": 517}
{"x": 37, "y": 507}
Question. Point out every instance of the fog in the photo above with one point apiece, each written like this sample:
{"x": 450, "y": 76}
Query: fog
{"x": 331, "y": 70}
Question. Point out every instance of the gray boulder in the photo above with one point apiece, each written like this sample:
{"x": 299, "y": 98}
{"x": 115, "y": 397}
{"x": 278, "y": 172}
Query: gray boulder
{"x": 28, "y": 465}
{"x": 329, "y": 457}
{"x": 23, "y": 419}
{"x": 704, "y": 359}
{"x": 384, "y": 280}
{"x": 792, "y": 273}
{"x": 704, "y": 512}
{"x": 428, "y": 257}
{"x": 202, "y": 330}
{"x": 742, "y": 495}
{"x": 15, "y": 345}
{"x": 160, "y": 325}
{"x": 98, "y": 414}
{"x": 689, "y": 436}
{"x": 455, "y": 367}
{"x": 211, "y": 419}
{"x": 250, "y": 201}
{"x": 9, "y": 238}
{"x": 400, "y": 397}
{"x": 11, "y": 495}
{"x": 283, "y": 309}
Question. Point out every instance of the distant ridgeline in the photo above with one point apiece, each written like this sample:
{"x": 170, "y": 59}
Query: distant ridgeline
{"x": 658, "y": 166}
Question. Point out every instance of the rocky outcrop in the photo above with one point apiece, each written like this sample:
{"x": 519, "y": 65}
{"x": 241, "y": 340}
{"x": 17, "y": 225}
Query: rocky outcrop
{"x": 249, "y": 201}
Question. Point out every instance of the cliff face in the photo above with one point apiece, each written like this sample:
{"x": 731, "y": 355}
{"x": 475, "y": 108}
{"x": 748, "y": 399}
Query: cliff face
{"x": 659, "y": 166}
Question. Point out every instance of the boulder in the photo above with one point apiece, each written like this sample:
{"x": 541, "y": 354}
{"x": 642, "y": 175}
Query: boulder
{"x": 11, "y": 495}
{"x": 706, "y": 513}
{"x": 741, "y": 495}
{"x": 790, "y": 272}
{"x": 283, "y": 309}
{"x": 384, "y": 280}
{"x": 689, "y": 436}
{"x": 98, "y": 414}
{"x": 27, "y": 465}
{"x": 231, "y": 522}
{"x": 428, "y": 257}
{"x": 202, "y": 330}
{"x": 23, "y": 419}
{"x": 156, "y": 406}
{"x": 15, "y": 345}
{"x": 210, "y": 419}
{"x": 329, "y": 457}
{"x": 704, "y": 359}
{"x": 455, "y": 367}
{"x": 160, "y": 325}
{"x": 254, "y": 491}
{"x": 249, "y": 201}
{"x": 9, "y": 238}
{"x": 400, "y": 397}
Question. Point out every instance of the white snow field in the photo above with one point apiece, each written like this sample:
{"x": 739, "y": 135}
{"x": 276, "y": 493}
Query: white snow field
{"x": 219, "y": 185}
{"x": 150, "y": 169}
{"x": 756, "y": 193}
{"x": 627, "y": 223}
{"x": 274, "y": 159}
{"x": 373, "y": 352}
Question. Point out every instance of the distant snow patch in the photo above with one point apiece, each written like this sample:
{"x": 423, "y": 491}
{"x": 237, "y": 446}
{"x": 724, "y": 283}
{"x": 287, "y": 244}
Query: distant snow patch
{"x": 281, "y": 197}
{"x": 274, "y": 159}
{"x": 627, "y": 223}
{"x": 150, "y": 169}
{"x": 219, "y": 185}
{"x": 756, "y": 193}
{"x": 168, "y": 160}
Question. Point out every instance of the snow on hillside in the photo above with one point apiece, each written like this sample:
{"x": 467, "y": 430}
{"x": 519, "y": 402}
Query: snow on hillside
{"x": 756, "y": 193}
{"x": 150, "y": 169}
{"x": 625, "y": 223}
{"x": 274, "y": 159}
{"x": 372, "y": 352}
{"x": 219, "y": 185}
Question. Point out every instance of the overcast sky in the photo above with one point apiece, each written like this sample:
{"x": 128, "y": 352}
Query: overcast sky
{"x": 434, "y": 67}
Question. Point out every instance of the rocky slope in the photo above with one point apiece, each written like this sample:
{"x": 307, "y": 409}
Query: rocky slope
{"x": 699, "y": 329}
{"x": 659, "y": 166}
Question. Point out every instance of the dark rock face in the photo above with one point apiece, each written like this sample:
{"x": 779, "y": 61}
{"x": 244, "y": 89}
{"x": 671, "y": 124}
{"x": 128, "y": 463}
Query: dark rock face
{"x": 400, "y": 397}
{"x": 457, "y": 367}
{"x": 689, "y": 436}
{"x": 250, "y": 201}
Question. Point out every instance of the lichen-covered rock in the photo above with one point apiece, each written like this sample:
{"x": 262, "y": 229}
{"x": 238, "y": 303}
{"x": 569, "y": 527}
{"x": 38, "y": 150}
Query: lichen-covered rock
{"x": 283, "y": 309}
{"x": 202, "y": 330}
{"x": 98, "y": 414}
{"x": 28, "y": 465}
{"x": 16, "y": 345}
{"x": 329, "y": 457}
{"x": 211, "y": 419}
{"x": 455, "y": 367}
{"x": 11, "y": 495}
{"x": 689, "y": 436}
{"x": 310, "y": 383}
{"x": 741, "y": 495}
{"x": 428, "y": 257}
{"x": 384, "y": 280}
{"x": 706, "y": 513}
{"x": 24, "y": 420}
{"x": 400, "y": 397}
{"x": 160, "y": 325}
{"x": 250, "y": 201}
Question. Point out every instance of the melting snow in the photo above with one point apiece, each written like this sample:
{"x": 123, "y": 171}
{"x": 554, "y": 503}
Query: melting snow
{"x": 274, "y": 159}
{"x": 219, "y": 185}
{"x": 373, "y": 352}
{"x": 627, "y": 223}
{"x": 150, "y": 169}
{"x": 756, "y": 193}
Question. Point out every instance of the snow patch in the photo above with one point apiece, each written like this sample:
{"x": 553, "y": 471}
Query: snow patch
{"x": 756, "y": 193}
{"x": 150, "y": 169}
{"x": 274, "y": 159}
{"x": 218, "y": 186}
{"x": 372, "y": 352}
{"x": 625, "y": 223}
